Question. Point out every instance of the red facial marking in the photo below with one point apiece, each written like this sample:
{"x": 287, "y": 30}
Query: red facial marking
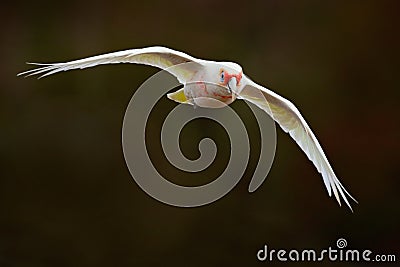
{"x": 228, "y": 76}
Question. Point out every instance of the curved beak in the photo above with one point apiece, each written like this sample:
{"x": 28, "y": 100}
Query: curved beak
{"x": 232, "y": 85}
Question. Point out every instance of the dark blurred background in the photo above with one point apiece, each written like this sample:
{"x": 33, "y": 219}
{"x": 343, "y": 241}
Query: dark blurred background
{"x": 66, "y": 196}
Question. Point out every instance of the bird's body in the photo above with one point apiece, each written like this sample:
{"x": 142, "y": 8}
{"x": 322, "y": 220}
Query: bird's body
{"x": 205, "y": 85}
{"x": 206, "y": 81}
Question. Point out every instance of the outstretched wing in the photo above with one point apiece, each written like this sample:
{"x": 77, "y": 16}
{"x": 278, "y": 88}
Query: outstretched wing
{"x": 291, "y": 121}
{"x": 156, "y": 56}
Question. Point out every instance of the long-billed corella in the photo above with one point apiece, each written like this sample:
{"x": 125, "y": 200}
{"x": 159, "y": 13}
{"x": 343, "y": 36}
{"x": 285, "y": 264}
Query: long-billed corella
{"x": 222, "y": 81}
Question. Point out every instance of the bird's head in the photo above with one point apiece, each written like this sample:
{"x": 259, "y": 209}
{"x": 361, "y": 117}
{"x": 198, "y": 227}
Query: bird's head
{"x": 220, "y": 81}
{"x": 230, "y": 76}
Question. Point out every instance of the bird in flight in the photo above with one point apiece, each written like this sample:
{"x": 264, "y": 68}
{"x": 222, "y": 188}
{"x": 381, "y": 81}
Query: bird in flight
{"x": 223, "y": 81}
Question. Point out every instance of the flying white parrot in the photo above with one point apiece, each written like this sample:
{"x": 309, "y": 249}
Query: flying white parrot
{"x": 232, "y": 84}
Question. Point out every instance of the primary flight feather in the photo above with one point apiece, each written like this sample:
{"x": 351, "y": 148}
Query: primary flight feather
{"x": 223, "y": 81}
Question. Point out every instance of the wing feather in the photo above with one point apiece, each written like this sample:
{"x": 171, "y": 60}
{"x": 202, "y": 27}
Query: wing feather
{"x": 156, "y": 56}
{"x": 292, "y": 122}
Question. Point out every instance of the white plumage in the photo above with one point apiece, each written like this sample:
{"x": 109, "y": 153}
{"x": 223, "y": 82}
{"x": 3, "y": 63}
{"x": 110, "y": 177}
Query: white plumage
{"x": 231, "y": 83}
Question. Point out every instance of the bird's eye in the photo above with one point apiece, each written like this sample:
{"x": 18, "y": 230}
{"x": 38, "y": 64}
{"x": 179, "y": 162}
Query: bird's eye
{"x": 222, "y": 76}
